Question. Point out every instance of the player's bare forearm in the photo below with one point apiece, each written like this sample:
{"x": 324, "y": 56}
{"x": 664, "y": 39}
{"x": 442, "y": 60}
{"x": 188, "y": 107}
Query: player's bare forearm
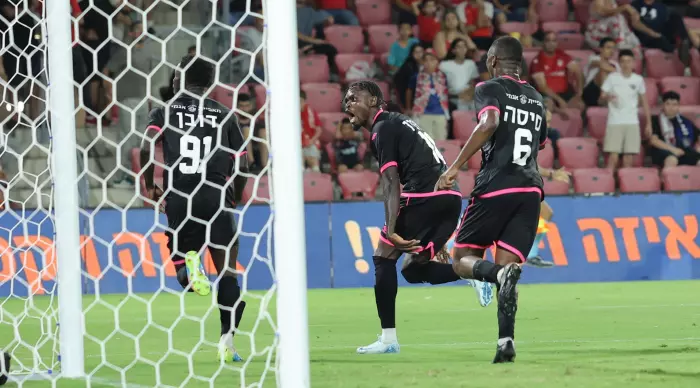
{"x": 239, "y": 180}
{"x": 482, "y": 133}
{"x": 149, "y": 171}
{"x": 391, "y": 186}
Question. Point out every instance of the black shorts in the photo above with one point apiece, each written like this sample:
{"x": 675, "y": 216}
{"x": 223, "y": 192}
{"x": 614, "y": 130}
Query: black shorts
{"x": 658, "y": 156}
{"x": 429, "y": 217}
{"x": 202, "y": 228}
{"x": 505, "y": 218}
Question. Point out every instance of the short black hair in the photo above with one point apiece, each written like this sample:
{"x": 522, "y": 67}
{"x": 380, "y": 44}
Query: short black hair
{"x": 192, "y": 48}
{"x": 670, "y": 95}
{"x": 371, "y": 88}
{"x": 605, "y": 41}
{"x": 507, "y": 49}
{"x": 198, "y": 71}
{"x": 244, "y": 97}
{"x": 302, "y": 94}
{"x": 344, "y": 121}
{"x": 626, "y": 53}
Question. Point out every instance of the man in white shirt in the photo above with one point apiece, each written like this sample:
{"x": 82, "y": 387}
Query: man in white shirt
{"x": 623, "y": 91}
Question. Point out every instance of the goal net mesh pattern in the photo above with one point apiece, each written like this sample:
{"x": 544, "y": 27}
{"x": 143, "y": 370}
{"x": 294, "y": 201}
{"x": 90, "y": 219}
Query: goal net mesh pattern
{"x": 141, "y": 330}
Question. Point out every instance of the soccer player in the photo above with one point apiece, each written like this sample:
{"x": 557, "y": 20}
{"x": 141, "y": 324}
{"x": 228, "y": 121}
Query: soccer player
{"x": 419, "y": 220}
{"x": 505, "y": 203}
{"x": 202, "y": 145}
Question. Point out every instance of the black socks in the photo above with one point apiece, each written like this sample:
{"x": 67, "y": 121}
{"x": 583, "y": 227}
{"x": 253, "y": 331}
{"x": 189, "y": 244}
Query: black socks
{"x": 386, "y": 286}
{"x": 229, "y": 293}
{"x": 486, "y": 271}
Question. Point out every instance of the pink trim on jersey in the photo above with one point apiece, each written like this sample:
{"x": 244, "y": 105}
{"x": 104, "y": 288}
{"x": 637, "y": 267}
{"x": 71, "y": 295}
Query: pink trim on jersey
{"x": 512, "y": 191}
{"x": 430, "y": 246}
{"x": 386, "y": 240}
{"x": 238, "y": 155}
{"x": 479, "y": 84}
{"x": 157, "y": 128}
{"x": 380, "y": 111}
{"x": 374, "y": 136}
{"x": 431, "y": 194}
{"x": 490, "y": 107}
{"x": 544, "y": 142}
{"x": 511, "y": 249}
{"x": 178, "y": 262}
{"x": 513, "y": 79}
{"x": 458, "y": 245}
{"x": 387, "y": 165}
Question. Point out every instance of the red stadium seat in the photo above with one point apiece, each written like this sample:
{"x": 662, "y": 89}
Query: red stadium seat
{"x": 465, "y": 179}
{"x": 681, "y": 178}
{"x": 571, "y": 127}
{"x": 545, "y": 157}
{"x": 313, "y": 68}
{"x": 318, "y": 187}
{"x": 582, "y": 10}
{"x": 687, "y": 87}
{"x": 260, "y": 95}
{"x": 597, "y": 118}
{"x": 691, "y": 23}
{"x": 329, "y": 122}
{"x": 652, "y": 91}
{"x": 552, "y": 187}
{"x": 661, "y": 64}
{"x": 358, "y": 185}
{"x": 561, "y": 27}
{"x": 552, "y": 11}
{"x": 381, "y": 38}
{"x": 571, "y": 41}
{"x": 529, "y": 56}
{"x": 593, "y": 180}
{"x": 464, "y": 123}
{"x": 580, "y": 56}
{"x": 372, "y": 12}
{"x": 695, "y": 62}
{"x": 449, "y": 149}
{"x": 578, "y": 152}
{"x": 522, "y": 28}
{"x": 384, "y": 61}
{"x": 474, "y": 163}
{"x": 639, "y": 180}
{"x": 323, "y": 97}
{"x": 257, "y": 191}
{"x": 345, "y": 61}
{"x": 346, "y": 39}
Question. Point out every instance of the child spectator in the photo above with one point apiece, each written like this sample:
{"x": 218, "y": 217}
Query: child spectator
{"x": 675, "y": 139}
{"x": 310, "y": 135}
{"x": 401, "y": 49}
{"x": 428, "y": 21}
{"x": 347, "y": 143}
{"x": 431, "y": 105}
{"x": 460, "y": 72}
{"x": 623, "y": 91}
{"x": 597, "y": 70}
{"x": 404, "y": 76}
{"x": 251, "y": 127}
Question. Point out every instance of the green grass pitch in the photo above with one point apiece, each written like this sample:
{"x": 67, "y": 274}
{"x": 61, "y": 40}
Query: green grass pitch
{"x": 569, "y": 335}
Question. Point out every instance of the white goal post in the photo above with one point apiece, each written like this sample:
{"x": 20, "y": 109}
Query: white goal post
{"x": 75, "y": 284}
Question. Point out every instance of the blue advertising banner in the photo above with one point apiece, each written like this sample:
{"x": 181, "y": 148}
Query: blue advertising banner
{"x": 631, "y": 237}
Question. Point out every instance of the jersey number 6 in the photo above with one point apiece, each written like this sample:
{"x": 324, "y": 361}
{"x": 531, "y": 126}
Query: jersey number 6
{"x": 522, "y": 151}
{"x": 191, "y": 148}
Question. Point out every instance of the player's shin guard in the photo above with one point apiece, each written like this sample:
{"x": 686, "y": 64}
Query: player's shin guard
{"x": 229, "y": 292}
{"x": 431, "y": 272}
{"x": 386, "y": 286}
{"x": 486, "y": 271}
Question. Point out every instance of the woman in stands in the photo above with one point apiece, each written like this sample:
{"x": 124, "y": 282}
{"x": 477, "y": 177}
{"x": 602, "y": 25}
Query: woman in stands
{"x": 608, "y": 20}
{"x": 452, "y": 29}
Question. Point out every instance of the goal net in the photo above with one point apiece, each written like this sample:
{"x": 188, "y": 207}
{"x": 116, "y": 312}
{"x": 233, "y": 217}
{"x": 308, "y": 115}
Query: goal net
{"x": 138, "y": 328}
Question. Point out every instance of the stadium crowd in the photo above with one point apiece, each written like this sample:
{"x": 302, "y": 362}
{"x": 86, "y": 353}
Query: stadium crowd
{"x": 593, "y": 60}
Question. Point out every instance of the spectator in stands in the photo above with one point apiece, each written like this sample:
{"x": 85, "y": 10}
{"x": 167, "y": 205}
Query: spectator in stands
{"x": 551, "y": 71}
{"x": 675, "y": 139}
{"x": 347, "y": 143}
{"x": 553, "y": 134}
{"x": 597, "y": 70}
{"x": 451, "y": 29}
{"x": 607, "y": 20}
{"x": 253, "y": 40}
{"x": 308, "y": 19}
{"x": 515, "y": 11}
{"x": 310, "y": 134}
{"x": 478, "y": 24}
{"x": 401, "y": 49}
{"x": 660, "y": 27}
{"x": 429, "y": 23}
{"x": 405, "y": 11}
{"x": 624, "y": 91}
{"x": 340, "y": 10}
{"x": 407, "y": 71}
{"x": 132, "y": 92}
{"x": 431, "y": 102}
{"x": 257, "y": 149}
{"x": 461, "y": 72}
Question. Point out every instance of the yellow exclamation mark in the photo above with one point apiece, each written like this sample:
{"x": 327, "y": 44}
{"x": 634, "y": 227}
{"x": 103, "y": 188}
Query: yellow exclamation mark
{"x": 352, "y": 229}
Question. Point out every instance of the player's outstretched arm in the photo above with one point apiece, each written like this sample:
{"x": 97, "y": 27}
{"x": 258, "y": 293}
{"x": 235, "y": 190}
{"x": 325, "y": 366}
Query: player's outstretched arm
{"x": 391, "y": 187}
{"x": 239, "y": 180}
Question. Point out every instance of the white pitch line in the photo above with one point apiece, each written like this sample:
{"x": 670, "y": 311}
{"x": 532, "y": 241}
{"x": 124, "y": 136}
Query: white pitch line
{"x": 114, "y": 383}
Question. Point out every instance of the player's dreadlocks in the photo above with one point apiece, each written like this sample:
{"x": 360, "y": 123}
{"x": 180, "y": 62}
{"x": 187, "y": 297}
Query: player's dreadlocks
{"x": 372, "y": 88}
{"x": 509, "y": 52}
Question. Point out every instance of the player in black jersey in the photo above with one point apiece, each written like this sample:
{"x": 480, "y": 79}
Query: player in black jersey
{"x": 419, "y": 221}
{"x": 505, "y": 204}
{"x": 202, "y": 145}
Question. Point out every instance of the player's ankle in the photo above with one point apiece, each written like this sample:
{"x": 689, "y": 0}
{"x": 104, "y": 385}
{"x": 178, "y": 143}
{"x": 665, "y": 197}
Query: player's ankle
{"x": 389, "y": 336}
